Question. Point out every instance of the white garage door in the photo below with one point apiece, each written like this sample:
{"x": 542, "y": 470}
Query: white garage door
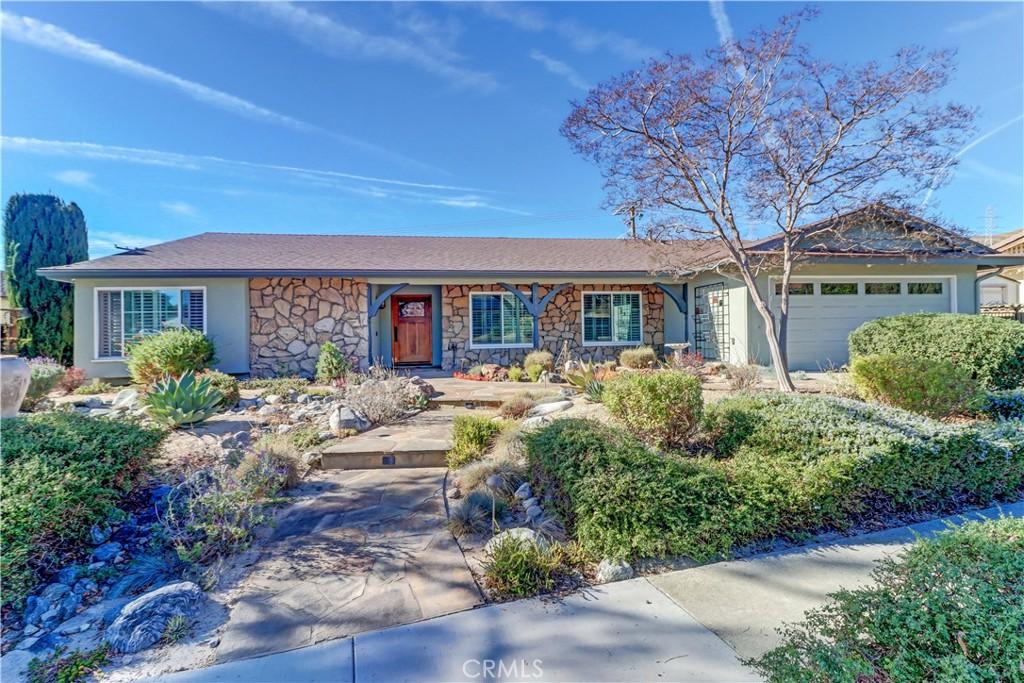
{"x": 823, "y": 312}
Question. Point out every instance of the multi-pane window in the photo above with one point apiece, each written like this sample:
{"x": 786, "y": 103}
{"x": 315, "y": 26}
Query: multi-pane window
{"x": 838, "y": 288}
{"x": 126, "y": 314}
{"x": 611, "y": 318}
{"x": 499, "y": 319}
{"x": 881, "y": 288}
{"x": 797, "y": 288}
{"x": 924, "y": 288}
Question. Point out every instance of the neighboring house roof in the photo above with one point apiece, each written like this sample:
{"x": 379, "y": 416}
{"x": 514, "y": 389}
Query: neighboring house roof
{"x": 248, "y": 254}
{"x": 1011, "y": 243}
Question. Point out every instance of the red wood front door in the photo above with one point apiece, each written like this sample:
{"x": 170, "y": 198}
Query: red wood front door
{"x": 411, "y": 325}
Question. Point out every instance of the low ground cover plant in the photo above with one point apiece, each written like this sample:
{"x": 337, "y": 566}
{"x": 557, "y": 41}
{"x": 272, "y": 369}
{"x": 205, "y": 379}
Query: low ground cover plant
{"x": 768, "y": 465}
{"x": 936, "y": 388}
{"x": 662, "y": 408}
{"x": 948, "y": 610}
{"x": 1003, "y": 405}
{"x": 640, "y": 358}
{"x": 97, "y": 386}
{"x": 182, "y": 401}
{"x": 472, "y": 435}
{"x": 991, "y": 349}
{"x": 276, "y": 385}
{"x": 62, "y": 473}
{"x": 172, "y": 352}
{"x": 61, "y": 666}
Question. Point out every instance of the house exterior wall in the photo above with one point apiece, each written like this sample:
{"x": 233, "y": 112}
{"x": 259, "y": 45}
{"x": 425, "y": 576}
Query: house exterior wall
{"x": 227, "y": 317}
{"x": 290, "y": 317}
{"x": 561, "y": 323}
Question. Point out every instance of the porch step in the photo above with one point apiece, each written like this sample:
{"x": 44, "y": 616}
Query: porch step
{"x": 420, "y": 441}
{"x": 443, "y": 400}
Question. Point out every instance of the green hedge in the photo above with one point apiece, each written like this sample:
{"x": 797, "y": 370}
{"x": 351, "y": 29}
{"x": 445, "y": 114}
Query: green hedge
{"x": 948, "y": 610}
{"x": 782, "y": 465}
{"x": 992, "y": 349}
{"x": 662, "y": 408}
{"x": 172, "y": 352}
{"x": 935, "y": 388}
{"x": 62, "y": 473}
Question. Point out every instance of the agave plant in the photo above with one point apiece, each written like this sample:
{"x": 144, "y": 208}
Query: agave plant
{"x": 594, "y": 390}
{"x": 584, "y": 374}
{"x": 183, "y": 401}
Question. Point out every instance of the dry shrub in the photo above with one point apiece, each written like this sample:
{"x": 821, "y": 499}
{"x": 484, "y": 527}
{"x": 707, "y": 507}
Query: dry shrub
{"x": 516, "y": 407}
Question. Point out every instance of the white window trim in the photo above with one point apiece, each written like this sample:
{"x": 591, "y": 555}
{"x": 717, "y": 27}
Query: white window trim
{"x": 951, "y": 279}
{"x": 583, "y": 325}
{"x": 473, "y": 345}
{"x": 96, "y": 358}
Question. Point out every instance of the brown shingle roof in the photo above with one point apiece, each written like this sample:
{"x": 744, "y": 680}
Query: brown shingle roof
{"x": 220, "y": 253}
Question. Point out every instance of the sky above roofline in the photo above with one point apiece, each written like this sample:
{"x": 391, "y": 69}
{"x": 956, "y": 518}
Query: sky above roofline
{"x": 162, "y": 120}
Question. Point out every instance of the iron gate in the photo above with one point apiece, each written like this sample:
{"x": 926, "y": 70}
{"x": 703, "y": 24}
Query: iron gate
{"x": 711, "y": 321}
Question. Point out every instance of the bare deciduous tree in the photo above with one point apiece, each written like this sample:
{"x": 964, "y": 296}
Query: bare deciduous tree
{"x": 758, "y": 133}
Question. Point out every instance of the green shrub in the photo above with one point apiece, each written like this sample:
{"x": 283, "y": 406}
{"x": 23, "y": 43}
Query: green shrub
{"x": 62, "y": 473}
{"x": 517, "y": 406}
{"x": 1004, "y": 405}
{"x": 472, "y": 435}
{"x": 225, "y": 384}
{"x": 622, "y": 501}
{"x": 785, "y": 465}
{"x": 663, "y": 408}
{"x": 540, "y": 358}
{"x": 804, "y": 462}
{"x": 330, "y": 364}
{"x": 992, "y": 349}
{"x": 182, "y": 401}
{"x": 96, "y": 386}
{"x": 516, "y": 374}
{"x": 947, "y": 610}
{"x": 935, "y": 388}
{"x": 640, "y": 358}
{"x": 516, "y": 568}
{"x": 45, "y": 375}
{"x": 61, "y": 666}
{"x": 172, "y": 352}
{"x": 533, "y": 372}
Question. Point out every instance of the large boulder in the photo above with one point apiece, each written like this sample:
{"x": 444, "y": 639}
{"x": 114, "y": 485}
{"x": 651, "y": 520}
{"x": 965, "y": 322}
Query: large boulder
{"x": 344, "y": 419}
{"x": 14, "y": 379}
{"x": 549, "y": 408}
{"x": 521, "y": 533}
{"x": 609, "y": 571}
{"x": 141, "y": 622}
{"x": 126, "y": 399}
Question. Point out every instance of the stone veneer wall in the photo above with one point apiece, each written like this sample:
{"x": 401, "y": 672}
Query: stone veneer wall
{"x": 560, "y": 322}
{"x": 290, "y": 317}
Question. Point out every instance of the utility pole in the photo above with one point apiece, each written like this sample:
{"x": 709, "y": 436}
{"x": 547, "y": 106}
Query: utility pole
{"x": 629, "y": 210}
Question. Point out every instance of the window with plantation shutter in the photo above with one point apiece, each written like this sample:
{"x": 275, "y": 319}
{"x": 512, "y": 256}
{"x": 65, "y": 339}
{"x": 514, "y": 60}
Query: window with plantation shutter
{"x": 126, "y": 314}
{"x": 612, "y": 318}
{"x": 499, "y": 319}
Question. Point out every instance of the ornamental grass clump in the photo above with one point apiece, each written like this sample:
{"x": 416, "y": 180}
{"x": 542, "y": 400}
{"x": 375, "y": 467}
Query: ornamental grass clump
{"x": 936, "y": 388}
{"x": 172, "y": 352}
{"x": 540, "y": 358}
{"x": 949, "y": 609}
{"x": 472, "y": 435}
{"x": 661, "y": 408}
{"x": 518, "y": 406}
{"x": 640, "y": 358}
{"x": 518, "y": 568}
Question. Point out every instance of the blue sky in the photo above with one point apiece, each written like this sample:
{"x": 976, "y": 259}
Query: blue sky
{"x": 167, "y": 119}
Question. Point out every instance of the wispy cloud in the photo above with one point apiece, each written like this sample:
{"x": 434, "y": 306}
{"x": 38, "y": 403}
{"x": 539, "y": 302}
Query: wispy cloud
{"x": 987, "y": 19}
{"x": 580, "y": 37}
{"x": 192, "y": 162}
{"x": 55, "y": 39}
{"x": 77, "y": 178}
{"x": 560, "y": 68}
{"x": 179, "y": 208}
{"x": 990, "y": 172}
{"x": 337, "y": 39}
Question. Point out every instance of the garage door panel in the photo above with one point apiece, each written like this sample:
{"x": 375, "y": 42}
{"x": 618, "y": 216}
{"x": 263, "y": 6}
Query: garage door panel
{"x": 820, "y": 324}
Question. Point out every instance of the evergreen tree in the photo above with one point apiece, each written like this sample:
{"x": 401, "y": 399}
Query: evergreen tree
{"x": 41, "y": 230}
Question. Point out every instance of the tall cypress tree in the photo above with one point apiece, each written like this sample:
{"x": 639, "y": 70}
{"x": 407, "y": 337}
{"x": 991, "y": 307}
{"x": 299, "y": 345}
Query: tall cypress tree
{"x": 41, "y": 230}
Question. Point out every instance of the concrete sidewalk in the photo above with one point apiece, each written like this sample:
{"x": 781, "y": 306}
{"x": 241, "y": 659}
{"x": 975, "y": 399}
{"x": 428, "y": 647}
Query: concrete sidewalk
{"x": 690, "y": 625}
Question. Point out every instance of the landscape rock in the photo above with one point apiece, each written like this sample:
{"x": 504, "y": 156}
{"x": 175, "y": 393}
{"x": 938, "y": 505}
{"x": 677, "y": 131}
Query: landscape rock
{"x": 311, "y": 459}
{"x": 126, "y": 399}
{"x": 529, "y": 502}
{"x": 90, "y": 402}
{"x": 141, "y": 622}
{"x": 344, "y": 419}
{"x": 549, "y": 408}
{"x": 524, "y": 491}
{"x": 268, "y": 410}
{"x": 534, "y": 512}
{"x": 272, "y": 399}
{"x": 522, "y": 533}
{"x": 535, "y": 422}
{"x": 35, "y": 608}
{"x": 613, "y": 570}
{"x": 106, "y": 552}
{"x": 98, "y": 534}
